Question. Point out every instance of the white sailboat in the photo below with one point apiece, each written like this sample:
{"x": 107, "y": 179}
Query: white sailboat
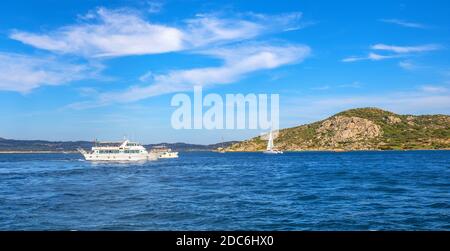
{"x": 270, "y": 148}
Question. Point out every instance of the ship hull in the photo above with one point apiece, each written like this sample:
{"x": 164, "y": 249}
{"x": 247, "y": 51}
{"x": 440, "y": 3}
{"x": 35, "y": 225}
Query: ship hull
{"x": 119, "y": 157}
{"x": 168, "y": 155}
{"x": 273, "y": 152}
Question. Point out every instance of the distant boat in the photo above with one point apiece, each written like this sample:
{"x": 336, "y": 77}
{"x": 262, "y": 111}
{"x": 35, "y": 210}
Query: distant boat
{"x": 219, "y": 150}
{"x": 164, "y": 153}
{"x": 270, "y": 148}
{"x": 117, "y": 151}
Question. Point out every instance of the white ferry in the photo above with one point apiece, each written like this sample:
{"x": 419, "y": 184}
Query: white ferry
{"x": 118, "y": 151}
{"x": 164, "y": 153}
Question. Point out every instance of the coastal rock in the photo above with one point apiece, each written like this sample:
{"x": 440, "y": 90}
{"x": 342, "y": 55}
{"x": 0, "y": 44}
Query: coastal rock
{"x": 393, "y": 120}
{"x": 343, "y": 129}
{"x": 410, "y": 120}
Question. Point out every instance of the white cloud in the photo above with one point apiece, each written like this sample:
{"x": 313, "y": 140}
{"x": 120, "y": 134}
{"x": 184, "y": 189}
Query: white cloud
{"x": 205, "y": 30}
{"x": 377, "y": 57}
{"x": 400, "y": 51}
{"x": 208, "y": 29}
{"x": 371, "y": 56}
{"x": 124, "y": 32}
{"x": 406, "y": 49}
{"x": 405, "y": 23}
{"x": 121, "y": 32}
{"x": 238, "y": 61}
{"x": 20, "y": 73}
{"x": 112, "y": 33}
{"x": 353, "y": 59}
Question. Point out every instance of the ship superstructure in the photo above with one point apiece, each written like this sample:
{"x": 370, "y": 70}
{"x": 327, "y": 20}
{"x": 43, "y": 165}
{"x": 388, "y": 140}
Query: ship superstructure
{"x": 118, "y": 151}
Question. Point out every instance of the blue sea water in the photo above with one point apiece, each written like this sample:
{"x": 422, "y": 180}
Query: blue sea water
{"x": 390, "y": 190}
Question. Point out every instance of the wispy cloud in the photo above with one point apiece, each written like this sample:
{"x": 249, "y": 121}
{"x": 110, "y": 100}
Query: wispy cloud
{"x": 371, "y": 56}
{"x": 208, "y": 29}
{"x": 121, "y": 32}
{"x": 22, "y": 73}
{"x": 405, "y": 23}
{"x": 395, "y": 50}
{"x": 376, "y": 57}
{"x": 353, "y": 59}
{"x": 238, "y": 61}
{"x": 406, "y": 49}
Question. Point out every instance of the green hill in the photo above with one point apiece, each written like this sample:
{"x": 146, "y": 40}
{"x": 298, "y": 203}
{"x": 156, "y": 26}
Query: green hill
{"x": 361, "y": 129}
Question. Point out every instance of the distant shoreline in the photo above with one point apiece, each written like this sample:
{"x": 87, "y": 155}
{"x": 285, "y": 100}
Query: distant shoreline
{"x": 30, "y": 152}
{"x": 340, "y": 150}
{"x": 334, "y": 151}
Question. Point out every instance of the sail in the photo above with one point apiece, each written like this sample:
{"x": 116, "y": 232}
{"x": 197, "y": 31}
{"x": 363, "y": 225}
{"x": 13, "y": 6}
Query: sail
{"x": 270, "y": 142}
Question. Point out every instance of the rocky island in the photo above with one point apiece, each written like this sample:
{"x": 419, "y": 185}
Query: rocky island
{"x": 360, "y": 129}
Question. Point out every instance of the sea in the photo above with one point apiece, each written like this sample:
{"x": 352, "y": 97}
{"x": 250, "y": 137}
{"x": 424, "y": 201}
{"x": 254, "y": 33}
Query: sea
{"x": 361, "y": 190}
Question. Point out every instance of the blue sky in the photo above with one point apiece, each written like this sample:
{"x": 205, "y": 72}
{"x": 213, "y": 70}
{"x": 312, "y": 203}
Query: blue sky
{"x": 78, "y": 70}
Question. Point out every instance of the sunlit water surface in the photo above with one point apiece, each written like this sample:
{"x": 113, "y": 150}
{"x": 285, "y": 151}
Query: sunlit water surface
{"x": 392, "y": 190}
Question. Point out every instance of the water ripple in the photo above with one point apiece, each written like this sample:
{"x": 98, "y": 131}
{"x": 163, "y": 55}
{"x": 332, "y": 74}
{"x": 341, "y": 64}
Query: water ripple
{"x": 394, "y": 190}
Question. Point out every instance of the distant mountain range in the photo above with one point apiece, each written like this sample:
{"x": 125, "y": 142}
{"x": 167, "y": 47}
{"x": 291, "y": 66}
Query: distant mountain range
{"x": 360, "y": 129}
{"x": 11, "y": 145}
